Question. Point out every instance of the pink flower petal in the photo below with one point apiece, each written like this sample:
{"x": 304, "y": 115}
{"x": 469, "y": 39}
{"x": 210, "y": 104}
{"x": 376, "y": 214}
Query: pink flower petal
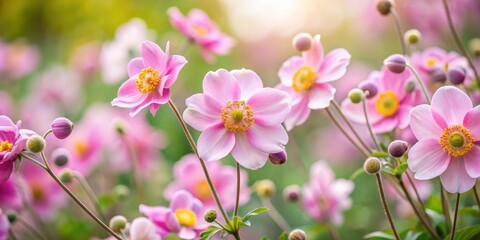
{"x": 221, "y": 84}
{"x": 247, "y": 155}
{"x": 314, "y": 56}
{"x": 334, "y": 66}
{"x": 387, "y": 124}
{"x": 128, "y": 95}
{"x": 181, "y": 199}
{"x": 215, "y": 143}
{"x": 299, "y": 113}
{"x": 289, "y": 68}
{"x": 471, "y": 122}
{"x": 248, "y": 81}
{"x": 270, "y": 106}
{"x": 422, "y": 123}
{"x": 6, "y": 169}
{"x": 472, "y": 162}
{"x": 203, "y": 111}
{"x": 456, "y": 179}
{"x": 267, "y": 139}
{"x": 5, "y": 121}
{"x": 172, "y": 223}
{"x": 174, "y": 65}
{"x": 428, "y": 159}
{"x": 135, "y": 66}
{"x": 355, "y": 111}
{"x": 320, "y": 96}
{"x": 151, "y": 98}
{"x": 186, "y": 233}
{"x": 452, "y": 104}
{"x": 153, "y": 56}
{"x": 402, "y": 116}
{"x": 394, "y": 82}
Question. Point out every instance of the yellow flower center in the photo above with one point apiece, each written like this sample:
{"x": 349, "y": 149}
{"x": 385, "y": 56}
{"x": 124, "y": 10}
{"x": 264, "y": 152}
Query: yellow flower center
{"x": 186, "y": 217}
{"x": 37, "y": 193}
{"x": 5, "y": 146}
{"x": 202, "y": 190}
{"x": 148, "y": 80}
{"x": 200, "y": 30}
{"x": 303, "y": 79}
{"x": 387, "y": 103}
{"x": 237, "y": 116}
{"x": 431, "y": 61}
{"x": 81, "y": 147}
{"x": 456, "y": 140}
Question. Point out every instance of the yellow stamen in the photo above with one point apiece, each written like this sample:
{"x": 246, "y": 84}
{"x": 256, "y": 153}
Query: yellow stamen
{"x": 5, "y": 146}
{"x": 186, "y": 217}
{"x": 81, "y": 147}
{"x": 387, "y": 103}
{"x": 148, "y": 80}
{"x": 456, "y": 140}
{"x": 37, "y": 192}
{"x": 237, "y": 116}
{"x": 202, "y": 190}
{"x": 303, "y": 79}
{"x": 200, "y": 30}
{"x": 431, "y": 61}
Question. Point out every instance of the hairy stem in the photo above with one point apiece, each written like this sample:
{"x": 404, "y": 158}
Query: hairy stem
{"x": 349, "y": 124}
{"x": 385, "y": 205}
{"x": 452, "y": 235}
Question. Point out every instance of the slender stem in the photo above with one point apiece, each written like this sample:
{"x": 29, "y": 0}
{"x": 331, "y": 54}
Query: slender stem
{"x": 91, "y": 195}
{"x": 452, "y": 235}
{"x": 475, "y": 193}
{"x": 349, "y": 124}
{"x": 420, "y": 82}
{"x": 30, "y": 228}
{"x": 80, "y": 203}
{"x": 33, "y": 160}
{"x": 385, "y": 206}
{"x": 398, "y": 26}
{"x": 11, "y": 234}
{"x": 297, "y": 158}
{"x": 237, "y": 235}
{"x": 46, "y": 133}
{"x": 237, "y": 200}
{"x": 221, "y": 225}
{"x": 333, "y": 233}
{"x": 135, "y": 168}
{"x": 458, "y": 42}
{"x": 204, "y": 167}
{"x": 334, "y": 119}
{"x": 369, "y": 126}
{"x": 275, "y": 215}
{"x": 415, "y": 190}
{"x": 445, "y": 208}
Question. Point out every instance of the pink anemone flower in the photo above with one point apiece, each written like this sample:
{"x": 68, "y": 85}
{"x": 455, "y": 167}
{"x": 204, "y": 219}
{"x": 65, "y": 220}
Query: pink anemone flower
{"x": 4, "y": 226}
{"x": 307, "y": 80}
{"x": 150, "y": 79}
{"x": 12, "y": 142}
{"x": 238, "y": 115}
{"x": 448, "y": 136}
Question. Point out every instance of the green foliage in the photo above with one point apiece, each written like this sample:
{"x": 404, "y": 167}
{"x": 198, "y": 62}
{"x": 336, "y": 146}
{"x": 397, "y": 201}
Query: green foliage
{"x": 468, "y": 233}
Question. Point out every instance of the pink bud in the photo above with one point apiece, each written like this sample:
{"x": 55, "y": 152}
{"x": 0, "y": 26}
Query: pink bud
{"x": 302, "y": 42}
{"x": 278, "y": 158}
{"x": 62, "y": 127}
{"x": 395, "y": 63}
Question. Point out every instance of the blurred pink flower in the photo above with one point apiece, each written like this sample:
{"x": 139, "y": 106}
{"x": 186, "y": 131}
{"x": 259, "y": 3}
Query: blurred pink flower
{"x": 143, "y": 229}
{"x": 307, "y": 80}
{"x": 150, "y": 78}
{"x": 197, "y": 184}
{"x": 238, "y": 115}
{"x": 448, "y": 134}
{"x": 324, "y": 197}
{"x": 7, "y": 104}
{"x": 389, "y": 108}
{"x": 18, "y": 59}
{"x": 12, "y": 142}
{"x": 10, "y": 198}
{"x": 200, "y": 29}
{"x": 85, "y": 59}
{"x": 184, "y": 217}
{"x": 4, "y": 226}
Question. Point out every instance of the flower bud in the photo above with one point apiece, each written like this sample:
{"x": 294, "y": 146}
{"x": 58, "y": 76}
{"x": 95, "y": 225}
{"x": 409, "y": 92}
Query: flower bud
{"x": 384, "y": 7}
{"x": 474, "y": 46}
{"x": 302, "y": 42}
{"x": 11, "y": 216}
{"x": 66, "y": 175}
{"x": 62, "y": 127}
{"x": 410, "y": 86}
{"x": 297, "y": 234}
{"x": 438, "y": 75}
{"x": 412, "y": 36}
{"x": 355, "y": 95}
{"x": 121, "y": 191}
{"x": 119, "y": 127}
{"x": 292, "y": 193}
{"x": 456, "y": 74}
{"x": 118, "y": 223}
{"x": 35, "y": 144}
{"x": 395, "y": 63}
{"x": 278, "y": 158}
{"x": 372, "y": 165}
{"x": 397, "y": 148}
{"x": 210, "y": 215}
{"x": 369, "y": 88}
{"x": 60, "y": 156}
{"x": 264, "y": 188}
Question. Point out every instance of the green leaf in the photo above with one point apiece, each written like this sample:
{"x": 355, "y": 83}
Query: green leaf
{"x": 400, "y": 169}
{"x": 254, "y": 212}
{"x": 380, "y": 154}
{"x": 223, "y": 234}
{"x": 283, "y": 236}
{"x": 379, "y": 236}
{"x": 356, "y": 173}
{"x": 389, "y": 170}
{"x": 470, "y": 211}
{"x": 238, "y": 223}
{"x": 467, "y": 233}
{"x": 207, "y": 234}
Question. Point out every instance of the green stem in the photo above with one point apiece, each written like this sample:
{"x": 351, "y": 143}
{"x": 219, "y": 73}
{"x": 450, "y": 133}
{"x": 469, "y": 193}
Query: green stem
{"x": 452, "y": 235}
{"x": 420, "y": 82}
{"x": 333, "y": 233}
{"x": 385, "y": 206}
{"x": 30, "y": 228}
{"x": 33, "y": 161}
{"x": 475, "y": 193}
{"x": 415, "y": 190}
{"x": 369, "y": 126}
{"x": 398, "y": 27}
{"x": 135, "y": 169}
{"x": 11, "y": 234}
{"x": 237, "y": 199}
{"x": 297, "y": 157}
{"x": 275, "y": 215}
{"x": 91, "y": 195}
{"x": 445, "y": 208}
{"x": 349, "y": 124}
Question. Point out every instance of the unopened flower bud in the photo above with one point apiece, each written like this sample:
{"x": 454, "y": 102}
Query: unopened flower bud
{"x": 210, "y": 215}
{"x": 369, "y": 88}
{"x": 397, "y": 148}
{"x": 356, "y": 95}
{"x": 120, "y": 127}
{"x": 456, "y": 74}
{"x": 474, "y": 46}
{"x": 11, "y": 216}
{"x": 278, "y": 158}
{"x": 35, "y": 144}
{"x": 62, "y": 127}
{"x": 384, "y": 7}
{"x": 118, "y": 223}
{"x": 60, "y": 156}
{"x": 66, "y": 175}
{"x": 372, "y": 165}
{"x": 438, "y": 75}
{"x": 292, "y": 193}
{"x": 264, "y": 188}
{"x": 395, "y": 63}
{"x": 121, "y": 191}
{"x": 412, "y": 36}
{"x": 410, "y": 86}
{"x": 302, "y": 42}
{"x": 297, "y": 234}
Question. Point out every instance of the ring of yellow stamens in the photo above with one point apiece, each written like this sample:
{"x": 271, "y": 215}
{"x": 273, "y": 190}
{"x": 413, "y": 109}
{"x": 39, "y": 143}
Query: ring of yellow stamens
{"x": 237, "y": 116}
{"x": 202, "y": 190}
{"x": 186, "y": 217}
{"x": 5, "y": 146}
{"x": 387, "y": 103}
{"x": 148, "y": 80}
{"x": 303, "y": 79}
{"x": 431, "y": 61}
{"x": 456, "y": 140}
{"x": 200, "y": 30}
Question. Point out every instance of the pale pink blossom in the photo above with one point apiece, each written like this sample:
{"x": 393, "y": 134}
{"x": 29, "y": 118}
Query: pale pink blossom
{"x": 6, "y": 108}
{"x": 150, "y": 79}
{"x": 200, "y": 29}
{"x": 236, "y": 114}
{"x": 18, "y": 59}
{"x": 307, "y": 79}
{"x": 324, "y": 197}
{"x": 86, "y": 60}
{"x": 10, "y": 198}
{"x": 12, "y": 142}
{"x": 4, "y": 226}
{"x": 448, "y": 133}
{"x": 143, "y": 229}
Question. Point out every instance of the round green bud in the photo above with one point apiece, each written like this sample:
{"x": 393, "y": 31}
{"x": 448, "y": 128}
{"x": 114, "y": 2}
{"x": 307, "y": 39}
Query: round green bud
{"x": 412, "y": 36}
{"x": 356, "y": 95}
{"x": 35, "y": 144}
{"x": 118, "y": 223}
{"x": 210, "y": 215}
{"x": 66, "y": 175}
{"x": 11, "y": 216}
{"x": 372, "y": 165}
{"x": 121, "y": 191}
